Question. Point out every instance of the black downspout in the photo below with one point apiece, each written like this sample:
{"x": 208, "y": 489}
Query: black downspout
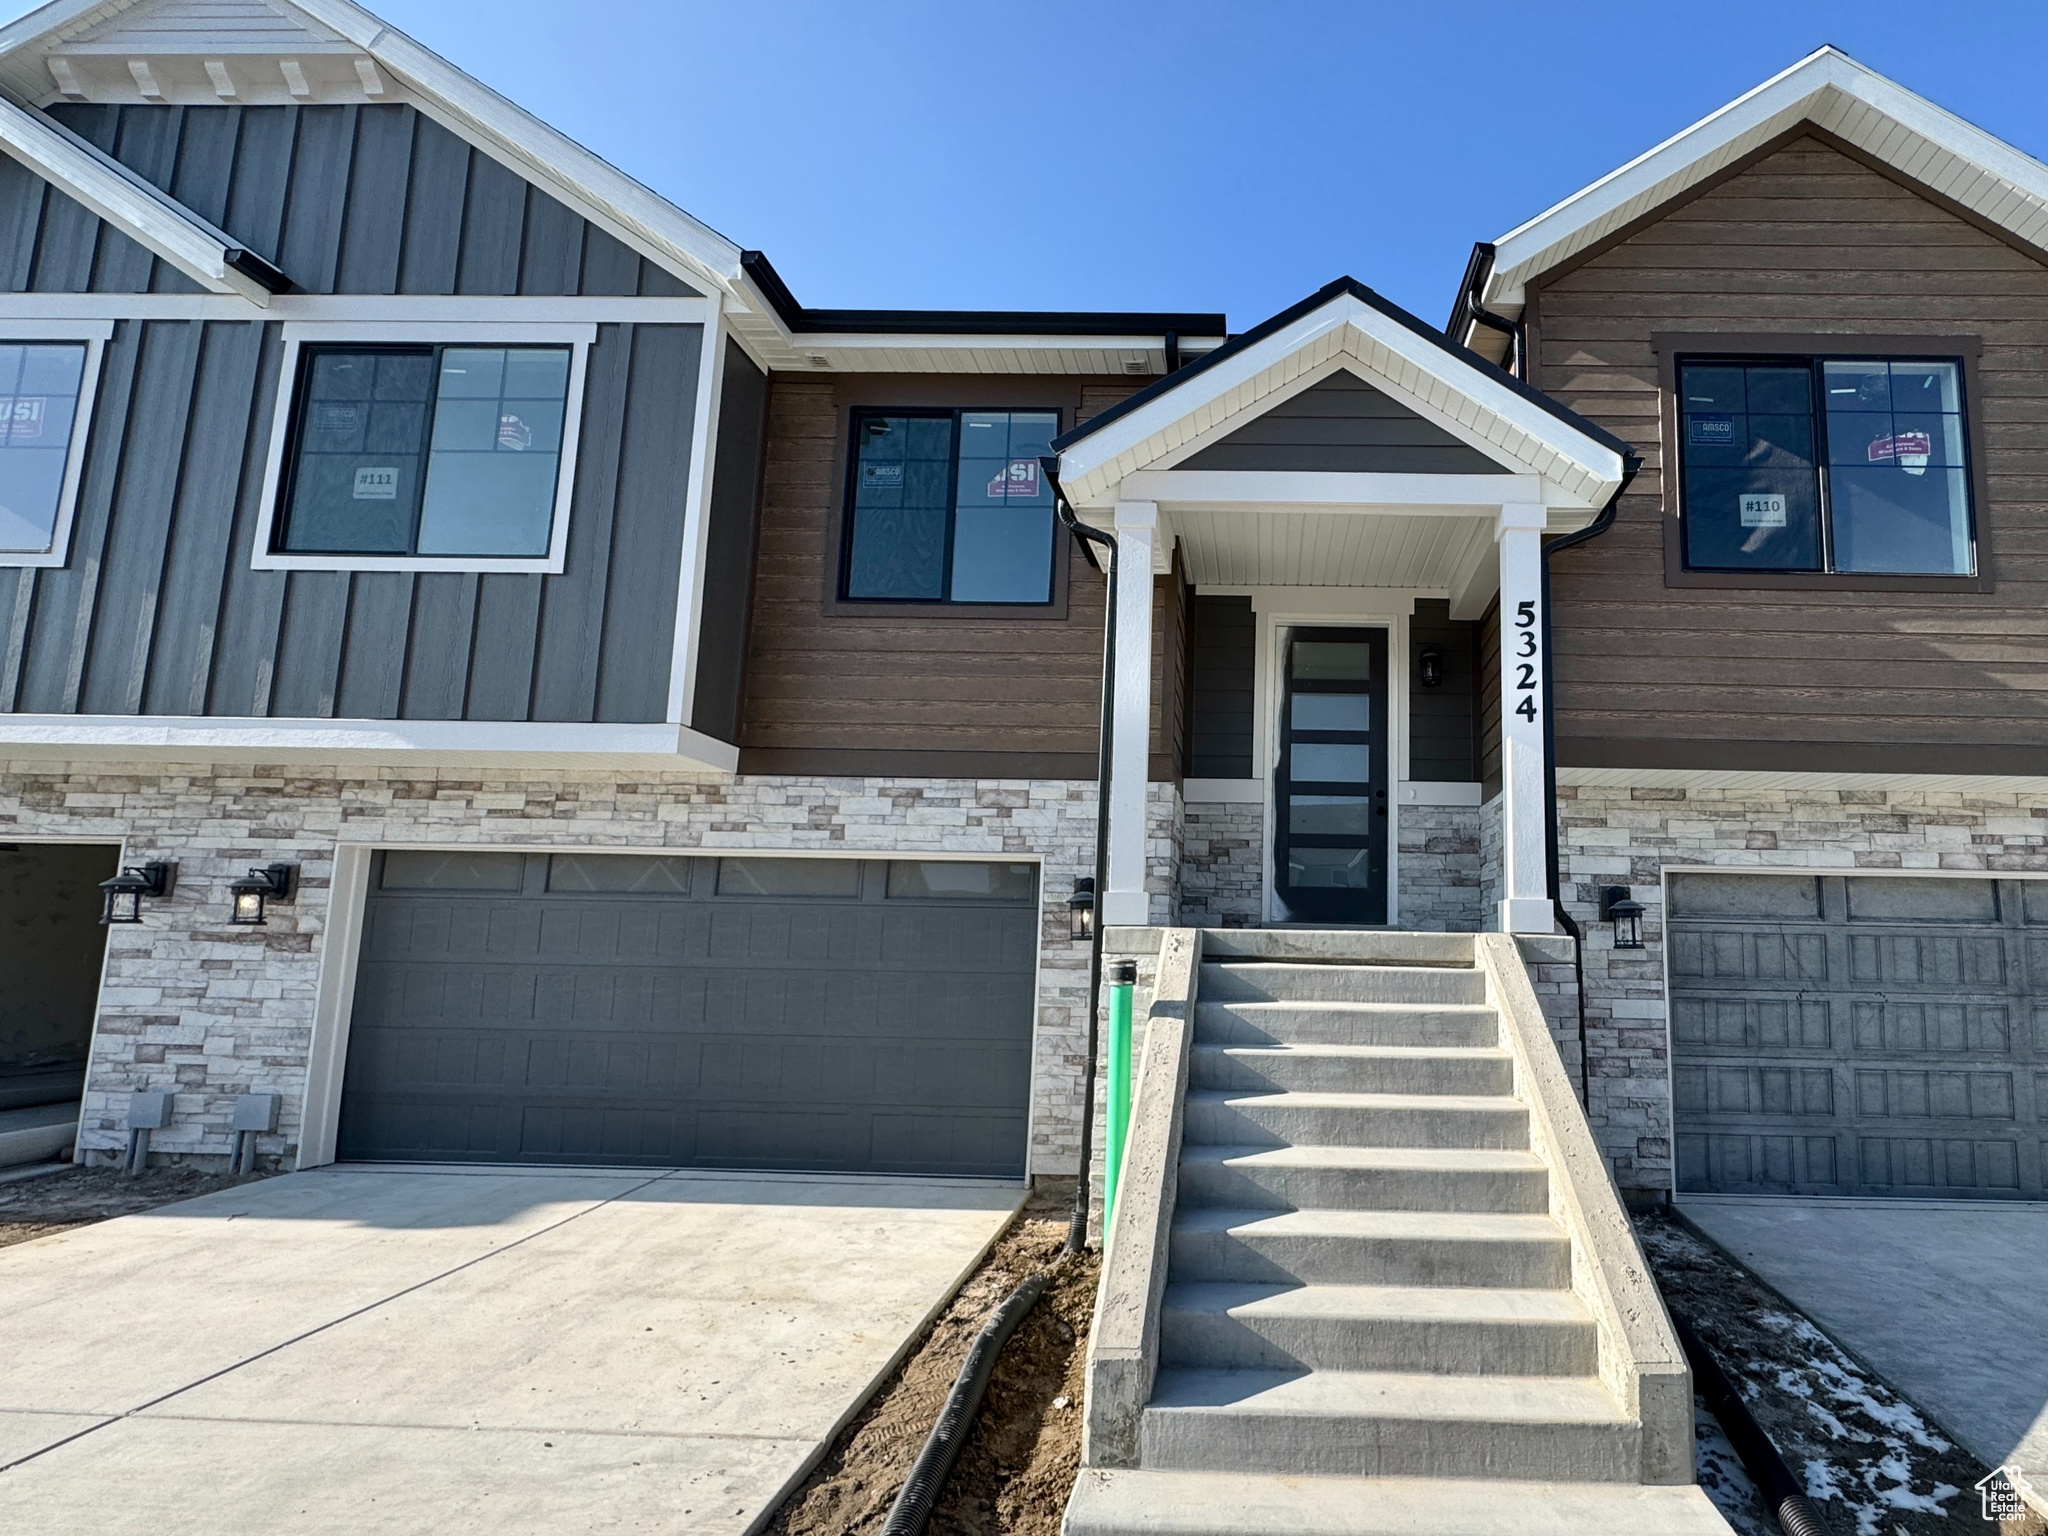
{"x": 1077, "y": 1229}
{"x": 1475, "y": 313}
{"x": 1629, "y": 466}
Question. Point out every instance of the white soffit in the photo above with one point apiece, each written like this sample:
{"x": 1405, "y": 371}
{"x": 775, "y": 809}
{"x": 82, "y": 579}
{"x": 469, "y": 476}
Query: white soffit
{"x": 1826, "y": 88}
{"x": 1328, "y": 549}
{"x": 1415, "y": 371}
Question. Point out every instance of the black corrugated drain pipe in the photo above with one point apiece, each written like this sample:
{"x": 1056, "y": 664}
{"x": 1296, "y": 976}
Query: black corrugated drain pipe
{"x": 1780, "y": 1492}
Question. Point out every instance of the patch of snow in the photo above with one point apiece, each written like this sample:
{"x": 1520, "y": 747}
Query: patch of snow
{"x": 1723, "y": 1478}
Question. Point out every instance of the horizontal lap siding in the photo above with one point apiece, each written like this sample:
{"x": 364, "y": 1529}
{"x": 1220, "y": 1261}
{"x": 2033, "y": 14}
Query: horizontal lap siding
{"x": 904, "y": 694}
{"x": 1805, "y": 240}
{"x": 158, "y": 612}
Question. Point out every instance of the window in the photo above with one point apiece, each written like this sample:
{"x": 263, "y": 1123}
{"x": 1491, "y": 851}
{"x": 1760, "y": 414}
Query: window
{"x": 46, "y": 389}
{"x": 402, "y": 446}
{"x": 949, "y": 507}
{"x": 1832, "y": 465}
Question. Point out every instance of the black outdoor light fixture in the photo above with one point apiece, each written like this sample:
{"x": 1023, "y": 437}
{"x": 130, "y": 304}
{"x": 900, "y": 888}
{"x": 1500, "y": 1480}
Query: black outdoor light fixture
{"x": 273, "y": 882}
{"x": 1429, "y": 666}
{"x": 1081, "y": 909}
{"x": 125, "y": 891}
{"x": 1626, "y": 915}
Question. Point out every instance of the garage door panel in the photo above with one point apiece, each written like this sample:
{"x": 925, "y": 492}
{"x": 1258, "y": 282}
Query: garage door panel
{"x": 1928, "y": 1085}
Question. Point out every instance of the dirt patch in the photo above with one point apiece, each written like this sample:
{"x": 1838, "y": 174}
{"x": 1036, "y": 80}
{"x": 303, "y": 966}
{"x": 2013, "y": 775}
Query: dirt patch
{"x": 58, "y": 1202}
{"x": 1019, "y": 1462}
{"x": 1873, "y": 1462}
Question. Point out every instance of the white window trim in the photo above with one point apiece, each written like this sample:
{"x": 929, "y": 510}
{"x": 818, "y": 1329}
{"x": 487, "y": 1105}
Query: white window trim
{"x": 297, "y": 334}
{"x": 95, "y": 334}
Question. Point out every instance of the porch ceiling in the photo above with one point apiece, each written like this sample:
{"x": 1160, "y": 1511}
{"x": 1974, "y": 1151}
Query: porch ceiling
{"x": 1329, "y": 549}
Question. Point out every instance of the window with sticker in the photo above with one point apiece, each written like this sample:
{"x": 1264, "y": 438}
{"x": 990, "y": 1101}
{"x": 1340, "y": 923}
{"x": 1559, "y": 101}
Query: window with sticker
{"x": 426, "y": 450}
{"x": 949, "y": 507}
{"x": 1825, "y": 464}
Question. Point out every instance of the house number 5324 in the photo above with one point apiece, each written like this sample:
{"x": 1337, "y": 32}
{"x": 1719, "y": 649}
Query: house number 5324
{"x": 1525, "y": 670}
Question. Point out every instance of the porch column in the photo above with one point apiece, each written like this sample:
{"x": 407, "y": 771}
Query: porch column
{"x": 1125, "y": 902}
{"x": 1525, "y": 898}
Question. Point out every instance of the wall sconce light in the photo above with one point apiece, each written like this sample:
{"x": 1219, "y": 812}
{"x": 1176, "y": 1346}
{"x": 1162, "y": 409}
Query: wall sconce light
{"x": 1081, "y": 909}
{"x": 1626, "y": 915}
{"x": 273, "y": 882}
{"x": 125, "y": 891}
{"x": 1429, "y": 666}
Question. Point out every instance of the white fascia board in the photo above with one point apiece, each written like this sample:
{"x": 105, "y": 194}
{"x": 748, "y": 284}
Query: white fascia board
{"x": 1409, "y": 367}
{"x": 1828, "y": 88}
{"x": 1287, "y": 490}
{"x": 125, "y": 202}
{"x": 185, "y": 738}
{"x": 559, "y": 162}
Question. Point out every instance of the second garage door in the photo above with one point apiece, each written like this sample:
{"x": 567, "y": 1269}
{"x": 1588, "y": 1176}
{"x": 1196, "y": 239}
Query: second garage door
{"x": 819, "y": 1014}
{"x": 1870, "y": 1035}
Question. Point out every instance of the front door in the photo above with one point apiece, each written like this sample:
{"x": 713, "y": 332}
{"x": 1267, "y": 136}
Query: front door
{"x": 1330, "y": 855}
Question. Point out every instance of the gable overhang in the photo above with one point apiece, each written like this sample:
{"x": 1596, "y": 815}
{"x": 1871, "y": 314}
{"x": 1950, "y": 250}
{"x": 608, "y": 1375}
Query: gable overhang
{"x": 211, "y": 258}
{"x": 1904, "y": 131}
{"x": 1569, "y": 462}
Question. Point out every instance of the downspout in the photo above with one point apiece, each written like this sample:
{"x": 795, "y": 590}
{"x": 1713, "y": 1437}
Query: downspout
{"x": 1472, "y": 312}
{"x": 1630, "y": 464}
{"x": 1077, "y": 1229}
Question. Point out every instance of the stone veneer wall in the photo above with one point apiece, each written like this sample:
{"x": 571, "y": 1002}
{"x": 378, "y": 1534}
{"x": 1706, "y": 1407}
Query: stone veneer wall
{"x": 1627, "y": 835}
{"x": 1223, "y": 863}
{"x": 1492, "y": 857}
{"x": 208, "y": 1011}
{"x": 1438, "y": 865}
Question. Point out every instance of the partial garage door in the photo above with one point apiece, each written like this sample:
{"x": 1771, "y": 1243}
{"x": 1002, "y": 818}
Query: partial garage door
{"x": 1860, "y": 1035}
{"x": 828, "y": 1014}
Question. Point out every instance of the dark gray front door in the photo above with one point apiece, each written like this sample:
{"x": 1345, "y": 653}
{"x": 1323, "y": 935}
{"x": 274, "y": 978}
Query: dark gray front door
{"x": 1330, "y": 854}
{"x": 1860, "y": 1036}
{"x": 828, "y": 1014}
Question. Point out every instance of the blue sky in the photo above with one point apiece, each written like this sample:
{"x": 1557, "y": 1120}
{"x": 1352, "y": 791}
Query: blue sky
{"x": 1194, "y": 155}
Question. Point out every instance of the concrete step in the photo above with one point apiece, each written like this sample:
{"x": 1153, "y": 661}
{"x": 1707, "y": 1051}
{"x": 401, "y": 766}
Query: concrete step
{"x": 1369, "y": 1248}
{"x": 1353, "y": 1069}
{"x": 1257, "y": 981}
{"x": 1251, "y": 1022}
{"x": 1388, "y": 1424}
{"x": 1325, "y": 946}
{"x": 1446, "y": 1330}
{"x": 1357, "y": 1119}
{"x": 1145, "y": 1503}
{"x": 1264, "y": 1177}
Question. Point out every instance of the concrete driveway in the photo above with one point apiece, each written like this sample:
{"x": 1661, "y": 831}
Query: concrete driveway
{"x": 1947, "y": 1300}
{"x": 444, "y": 1350}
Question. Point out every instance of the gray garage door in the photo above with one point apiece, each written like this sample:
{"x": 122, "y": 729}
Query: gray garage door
{"x": 1860, "y": 1035}
{"x": 832, "y": 1014}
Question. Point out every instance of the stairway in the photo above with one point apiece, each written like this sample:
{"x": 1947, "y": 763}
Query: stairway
{"x": 1369, "y": 1325}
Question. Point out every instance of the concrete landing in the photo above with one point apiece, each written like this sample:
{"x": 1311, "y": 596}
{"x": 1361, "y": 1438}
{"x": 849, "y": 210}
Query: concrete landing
{"x": 444, "y": 1350}
{"x": 1947, "y": 1300}
{"x": 1229, "y": 1504}
{"x": 37, "y": 1135}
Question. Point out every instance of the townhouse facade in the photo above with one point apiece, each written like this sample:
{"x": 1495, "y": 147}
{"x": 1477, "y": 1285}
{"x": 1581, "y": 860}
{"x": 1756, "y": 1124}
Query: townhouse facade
{"x": 665, "y": 716}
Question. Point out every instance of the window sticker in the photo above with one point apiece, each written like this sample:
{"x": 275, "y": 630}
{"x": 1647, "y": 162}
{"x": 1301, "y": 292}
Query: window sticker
{"x": 21, "y": 417}
{"x": 1019, "y": 479}
{"x": 1909, "y": 449}
{"x": 376, "y": 485}
{"x": 882, "y": 476}
{"x": 514, "y": 434}
{"x": 1762, "y": 511}
{"x": 1710, "y": 431}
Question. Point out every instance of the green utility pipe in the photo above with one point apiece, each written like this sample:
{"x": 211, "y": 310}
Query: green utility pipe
{"x": 1123, "y": 976}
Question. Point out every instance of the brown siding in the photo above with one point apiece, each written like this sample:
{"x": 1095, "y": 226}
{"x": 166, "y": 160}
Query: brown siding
{"x": 915, "y": 691}
{"x": 1806, "y": 239}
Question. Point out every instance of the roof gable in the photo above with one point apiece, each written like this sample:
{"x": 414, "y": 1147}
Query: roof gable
{"x": 1896, "y": 127}
{"x": 1343, "y": 326}
{"x": 1341, "y": 424}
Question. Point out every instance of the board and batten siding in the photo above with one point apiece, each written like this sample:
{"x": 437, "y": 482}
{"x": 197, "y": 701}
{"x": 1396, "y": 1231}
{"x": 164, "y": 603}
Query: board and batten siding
{"x": 921, "y": 691}
{"x": 158, "y": 612}
{"x": 1807, "y": 238}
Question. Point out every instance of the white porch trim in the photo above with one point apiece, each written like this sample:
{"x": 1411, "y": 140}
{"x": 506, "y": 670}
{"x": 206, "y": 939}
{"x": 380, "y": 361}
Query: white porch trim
{"x": 1525, "y": 886}
{"x": 1126, "y": 902}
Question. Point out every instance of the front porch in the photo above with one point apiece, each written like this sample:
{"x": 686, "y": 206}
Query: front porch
{"x": 1344, "y": 516}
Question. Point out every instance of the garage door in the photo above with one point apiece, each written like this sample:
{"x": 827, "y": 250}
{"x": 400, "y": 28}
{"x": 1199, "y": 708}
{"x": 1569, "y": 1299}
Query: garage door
{"x": 1860, "y": 1035}
{"x": 831, "y": 1014}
